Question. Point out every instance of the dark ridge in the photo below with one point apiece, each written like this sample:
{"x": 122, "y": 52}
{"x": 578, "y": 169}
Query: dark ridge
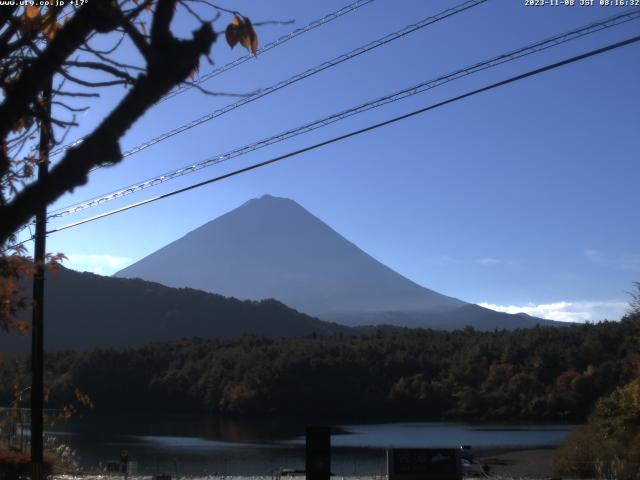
{"x": 83, "y": 310}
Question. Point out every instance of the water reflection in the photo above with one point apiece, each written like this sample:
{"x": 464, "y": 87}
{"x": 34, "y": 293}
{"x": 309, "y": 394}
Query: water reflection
{"x": 201, "y": 445}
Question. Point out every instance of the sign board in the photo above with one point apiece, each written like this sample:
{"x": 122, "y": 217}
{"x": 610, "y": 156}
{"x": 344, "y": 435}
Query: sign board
{"x": 424, "y": 464}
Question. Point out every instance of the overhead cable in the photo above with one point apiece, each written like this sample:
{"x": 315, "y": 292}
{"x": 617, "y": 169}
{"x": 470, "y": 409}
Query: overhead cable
{"x": 295, "y": 78}
{"x": 283, "y": 39}
{"x": 354, "y": 133}
{"x": 399, "y": 95}
{"x": 240, "y": 60}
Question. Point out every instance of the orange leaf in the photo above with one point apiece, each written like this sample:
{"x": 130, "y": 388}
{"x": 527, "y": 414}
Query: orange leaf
{"x": 231, "y": 34}
{"x": 50, "y": 30}
{"x": 20, "y": 326}
{"x": 30, "y": 20}
{"x": 31, "y": 12}
{"x": 246, "y": 34}
{"x": 21, "y": 124}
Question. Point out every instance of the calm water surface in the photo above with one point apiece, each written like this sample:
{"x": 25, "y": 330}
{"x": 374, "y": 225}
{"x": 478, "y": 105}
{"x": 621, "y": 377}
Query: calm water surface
{"x": 200, "y": 445}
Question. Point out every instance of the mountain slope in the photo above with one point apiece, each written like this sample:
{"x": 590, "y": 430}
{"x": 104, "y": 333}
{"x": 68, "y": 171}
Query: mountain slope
{"x": 273, "y": 248}
{"x": 83, "y": 310}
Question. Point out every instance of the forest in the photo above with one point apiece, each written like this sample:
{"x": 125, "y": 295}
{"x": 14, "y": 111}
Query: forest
{"x": 542, "y": 373}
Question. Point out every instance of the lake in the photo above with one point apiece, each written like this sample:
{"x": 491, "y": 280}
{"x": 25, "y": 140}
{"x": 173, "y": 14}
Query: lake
{"x": 201, "y": 445}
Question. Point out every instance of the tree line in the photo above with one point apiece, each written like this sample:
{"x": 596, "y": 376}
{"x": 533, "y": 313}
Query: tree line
{"x": 543, "y": 373}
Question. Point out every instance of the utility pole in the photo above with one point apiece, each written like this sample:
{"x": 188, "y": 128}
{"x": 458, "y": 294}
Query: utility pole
{"x": 37, "y": 324}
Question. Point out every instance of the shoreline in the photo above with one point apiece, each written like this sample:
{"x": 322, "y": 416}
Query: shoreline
{"x": 526, "y": 462}
{"x": 504, "y": 463}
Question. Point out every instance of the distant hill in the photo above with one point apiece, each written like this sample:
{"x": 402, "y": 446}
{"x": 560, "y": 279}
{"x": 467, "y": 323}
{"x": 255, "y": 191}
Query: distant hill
{"x": 83, "y": 310}
{"x": 484, "y": 319}
{"x": 273, "y": 248}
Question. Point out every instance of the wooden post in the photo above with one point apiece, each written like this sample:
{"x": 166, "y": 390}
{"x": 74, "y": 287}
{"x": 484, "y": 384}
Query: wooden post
{"x": 37, "y": 320}
{"x": 318, "y": 453}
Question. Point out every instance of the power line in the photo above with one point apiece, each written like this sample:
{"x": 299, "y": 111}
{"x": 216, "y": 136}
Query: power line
{"x": 354, "y": 133}
{"x": 285, "y": 38}
{"x": 492, "y": 86}
{"x": 301, "y": 76}
{"x": 419, "y": 88}
{"x": 239, "y": 61}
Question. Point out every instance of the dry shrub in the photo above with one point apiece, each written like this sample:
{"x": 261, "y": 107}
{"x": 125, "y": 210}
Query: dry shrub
{"x": 588, "y": 454}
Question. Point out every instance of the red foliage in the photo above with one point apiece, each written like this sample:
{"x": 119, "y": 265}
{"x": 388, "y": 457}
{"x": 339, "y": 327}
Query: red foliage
{"x": 13, "y": 465}
{"x": 566, "y": 378}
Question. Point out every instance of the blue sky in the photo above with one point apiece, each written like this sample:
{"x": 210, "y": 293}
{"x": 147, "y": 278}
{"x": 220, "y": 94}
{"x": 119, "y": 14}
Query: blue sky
{"x": 522, "y": 199}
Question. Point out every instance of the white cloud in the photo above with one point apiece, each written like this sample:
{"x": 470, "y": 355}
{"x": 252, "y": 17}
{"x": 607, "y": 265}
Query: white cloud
{"x": 102, "y": 264}
{"x": 488, "y": 261}
{"x": 563, "y": 311}
{"x": 627, "y": 261}
{"x": 593, "y": 255}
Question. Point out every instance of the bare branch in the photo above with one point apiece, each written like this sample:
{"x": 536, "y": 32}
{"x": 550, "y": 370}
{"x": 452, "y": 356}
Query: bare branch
{"x": 63, "y": 123}
{"x": 273, "y": 22}
{"x": 171, "y": 62}
{"x": 69, "y": 108}
{"x": 76, "y": 94}
{"x": 104, "y": 58}
{"x": 86, "y": 83}
{"x": 216, "y": 7}
{"x": 219, "y": 94}
{"x": 137, "y": 38}
{"x": 109, "y": 51}
{"x": 105, "y": 68}
{"x": 22, "y": 92}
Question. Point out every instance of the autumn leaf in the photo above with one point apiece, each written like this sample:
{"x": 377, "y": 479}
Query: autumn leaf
{"x": 34, "y": 21}
{"x": 194, "y": 72}
{"x": 19, "y": 326}
{"x": 249, "y": 38}
{"x": 50, "y": 28}
{"x": 84, "y": 399}
{"x": 31, "y": 12}
{"x": 22, "y": 124}
{"x": 30, "y": 20}
{"x": 240, "y": 30}
{"x": 231, "y": 33}
{"x": 53, "y": 261}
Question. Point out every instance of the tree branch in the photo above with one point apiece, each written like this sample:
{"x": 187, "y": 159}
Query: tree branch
{"x": 24, "y": 91}
{"x": 105, "y": 68}
{"x": 160, "y": 28}
{"x": 172, "y": 61}
{"x": 136, "y": 37}
{"x": 87, "y": 83}
{"x": 21, "y": 93}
